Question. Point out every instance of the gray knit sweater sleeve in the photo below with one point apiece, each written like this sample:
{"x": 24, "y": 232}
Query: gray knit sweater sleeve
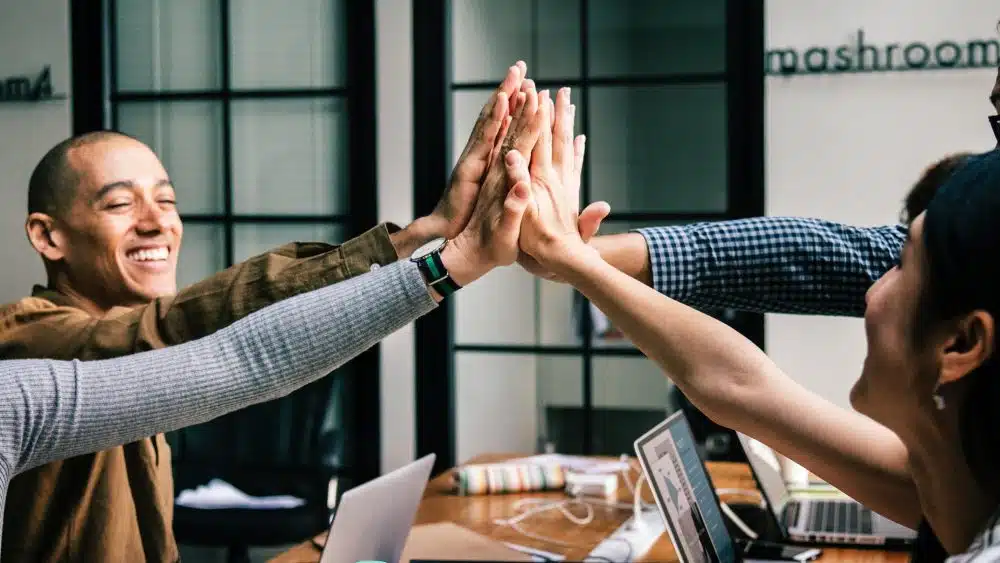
{"x": 51, "y": 410}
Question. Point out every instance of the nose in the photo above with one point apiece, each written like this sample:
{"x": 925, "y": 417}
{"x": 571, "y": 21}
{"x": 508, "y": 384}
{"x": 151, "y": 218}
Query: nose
{"x": 873, "y": 290}
{"x": 153, "y": 218}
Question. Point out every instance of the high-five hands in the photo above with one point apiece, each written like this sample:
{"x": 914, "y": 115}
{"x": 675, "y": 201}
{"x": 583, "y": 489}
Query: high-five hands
{"x": 490, "y": 236}
{"x": 454, "y": 209}
{"x": 492, "y": 185}
{"x": 551, "y": 227}
{"x": 562, "y": 118}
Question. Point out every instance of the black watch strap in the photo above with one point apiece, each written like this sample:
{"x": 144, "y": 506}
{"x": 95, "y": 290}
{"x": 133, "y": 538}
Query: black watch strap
{"x": 436, "y": 274}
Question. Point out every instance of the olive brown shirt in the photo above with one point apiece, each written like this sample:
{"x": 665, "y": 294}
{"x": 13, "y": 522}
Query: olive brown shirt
{"x": 117, "y": 505}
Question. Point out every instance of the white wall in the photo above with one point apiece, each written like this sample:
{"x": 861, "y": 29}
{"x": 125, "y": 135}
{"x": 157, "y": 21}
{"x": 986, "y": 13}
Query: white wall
{"x": 394, "y": 80}
{"x": 848, "y": 147}
{"x": 32, "y": 35}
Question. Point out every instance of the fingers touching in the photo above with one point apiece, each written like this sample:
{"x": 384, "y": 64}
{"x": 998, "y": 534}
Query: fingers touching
{"x": 562, "y": 134}
{"x": 541, "y": 156}
{"x": 491, "y": 118}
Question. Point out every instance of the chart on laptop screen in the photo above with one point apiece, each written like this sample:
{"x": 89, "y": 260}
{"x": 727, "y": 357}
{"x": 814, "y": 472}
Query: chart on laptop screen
{"x": 686, "y": 494}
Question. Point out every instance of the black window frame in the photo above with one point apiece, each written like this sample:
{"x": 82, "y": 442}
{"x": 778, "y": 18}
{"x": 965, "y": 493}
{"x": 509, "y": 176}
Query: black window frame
{"x": 433, "y": 87}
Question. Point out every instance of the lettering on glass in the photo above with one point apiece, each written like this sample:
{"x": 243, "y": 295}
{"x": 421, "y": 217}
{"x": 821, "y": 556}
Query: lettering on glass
{"x": 862, "y": 55}
{"x": 29, "y": 88}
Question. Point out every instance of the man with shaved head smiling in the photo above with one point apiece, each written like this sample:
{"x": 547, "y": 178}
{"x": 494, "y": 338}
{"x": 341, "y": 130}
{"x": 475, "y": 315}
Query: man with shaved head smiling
{"x": 103, "y": 214}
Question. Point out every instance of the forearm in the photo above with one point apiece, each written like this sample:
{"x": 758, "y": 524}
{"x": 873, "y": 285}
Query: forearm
{"x": 771, "y": 264}
{"x": 69, "y": 408}
{"x": 626, "y": 252}
{"x": 734, "y": 383}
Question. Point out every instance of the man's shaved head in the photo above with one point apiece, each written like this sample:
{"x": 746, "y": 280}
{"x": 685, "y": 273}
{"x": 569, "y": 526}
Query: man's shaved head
{"x": 53, "y": 183}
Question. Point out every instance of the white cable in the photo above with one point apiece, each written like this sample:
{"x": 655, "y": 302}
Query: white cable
{"x": 540, "y": 505}
{"x": 544, "y": 505}
{"x": 736, "y": 520}
{"x": 637, "y": 502}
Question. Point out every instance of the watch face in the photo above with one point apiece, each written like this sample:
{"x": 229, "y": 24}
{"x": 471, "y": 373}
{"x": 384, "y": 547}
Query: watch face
{"x": 428, "y": 248}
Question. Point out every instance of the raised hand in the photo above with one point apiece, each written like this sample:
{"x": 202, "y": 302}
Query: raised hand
{"x": 550, "y": 228}
{"x": 490, "y": 237}
{"x": 453, "y": 210}
{"x": 570, "y": 171}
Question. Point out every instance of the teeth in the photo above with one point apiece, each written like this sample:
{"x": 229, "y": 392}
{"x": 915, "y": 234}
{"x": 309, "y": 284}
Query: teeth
{"x": 150, "y": 255}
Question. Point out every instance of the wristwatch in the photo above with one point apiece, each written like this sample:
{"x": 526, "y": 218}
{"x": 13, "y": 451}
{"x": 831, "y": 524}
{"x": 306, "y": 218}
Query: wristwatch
{"x": 428, "y": 259}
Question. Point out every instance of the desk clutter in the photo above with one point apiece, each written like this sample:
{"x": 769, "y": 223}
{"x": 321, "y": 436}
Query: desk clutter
{"x": 549, "y": 472}
{"x": 500, "y": 478}
{"x": 455, "y": 528}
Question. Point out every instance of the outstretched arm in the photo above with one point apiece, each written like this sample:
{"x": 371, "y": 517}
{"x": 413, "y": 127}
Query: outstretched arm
{"x": 762, "y": 264}
{"x": 53, "y": 409}
{"x": 735, "y": 384}
{"x": 723, "y": 373}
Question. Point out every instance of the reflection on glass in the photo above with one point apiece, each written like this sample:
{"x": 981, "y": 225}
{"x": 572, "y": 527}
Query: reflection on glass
{"x": 487, "y": 37}
{"x": 297, "y": 44}
{"x": 631, "y": 395}
{"x": 167, "y": 45}
{"x": 250, "y": 240}
{"x": 656, "y": 37}
{"x": 494, "y": 389}
{"x": 659, "y": 148}
{"x": 187, "y": 136}
{"x": 290, "y": 156}
{"x": 203, "y": 253}
{"x": 510, "y": 306}
{"x": 560, "y": 402}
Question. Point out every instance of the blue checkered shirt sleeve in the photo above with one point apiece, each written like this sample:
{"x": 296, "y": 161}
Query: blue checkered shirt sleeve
{"x": 772, "y": 264}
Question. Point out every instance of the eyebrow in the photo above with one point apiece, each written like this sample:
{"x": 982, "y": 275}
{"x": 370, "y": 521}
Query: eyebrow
{"x": 107, "y": 188}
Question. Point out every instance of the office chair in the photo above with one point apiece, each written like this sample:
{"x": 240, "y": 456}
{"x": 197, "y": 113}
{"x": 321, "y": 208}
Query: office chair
{"x": 290, "y": 446}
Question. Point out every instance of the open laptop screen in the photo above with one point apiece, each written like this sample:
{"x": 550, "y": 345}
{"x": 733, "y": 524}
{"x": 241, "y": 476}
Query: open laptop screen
{"x": 767, "y": 470}
{"x": 684, "y": 492}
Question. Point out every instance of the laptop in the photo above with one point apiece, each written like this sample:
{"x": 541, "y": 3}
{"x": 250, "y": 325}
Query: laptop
{"x": 808, "y": 518}
{"x": 689, "y": 505}
{"x": 373, "y": 520}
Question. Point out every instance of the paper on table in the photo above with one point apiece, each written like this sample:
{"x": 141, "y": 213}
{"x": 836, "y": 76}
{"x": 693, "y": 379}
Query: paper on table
{"x": 218, "y": 494}
{"x": 575, "y": 463}
{"x": 445, "y": 541}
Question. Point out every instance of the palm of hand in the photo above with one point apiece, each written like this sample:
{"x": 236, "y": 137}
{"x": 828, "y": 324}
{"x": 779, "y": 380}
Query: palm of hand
{"x": 555, "y": 175}
{"x": 455, "y": 207}
{"x": 520, "y": 133}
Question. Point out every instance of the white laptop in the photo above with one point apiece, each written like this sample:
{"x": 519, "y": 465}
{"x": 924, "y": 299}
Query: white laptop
{"x": 688, "y": 502}
{"x": 808, "y": 518}
{"x": 373, "y": 520}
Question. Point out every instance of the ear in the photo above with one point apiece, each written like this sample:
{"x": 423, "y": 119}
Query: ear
{"x": 969, "y": 346}
{"x": 44, "y": 237}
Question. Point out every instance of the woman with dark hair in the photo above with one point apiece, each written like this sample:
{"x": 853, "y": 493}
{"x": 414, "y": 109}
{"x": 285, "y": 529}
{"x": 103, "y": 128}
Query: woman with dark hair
{"x": 922, "y": 448}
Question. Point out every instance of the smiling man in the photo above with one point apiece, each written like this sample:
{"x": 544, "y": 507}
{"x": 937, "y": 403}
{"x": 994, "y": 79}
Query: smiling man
{"x": 102, "y": 214}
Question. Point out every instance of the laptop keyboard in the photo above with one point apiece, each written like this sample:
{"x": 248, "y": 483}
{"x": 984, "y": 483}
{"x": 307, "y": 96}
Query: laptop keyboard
{"x": 839, "y": 517}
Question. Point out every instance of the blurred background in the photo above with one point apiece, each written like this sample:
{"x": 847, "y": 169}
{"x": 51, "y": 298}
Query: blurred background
{"x": 313, "y": 120}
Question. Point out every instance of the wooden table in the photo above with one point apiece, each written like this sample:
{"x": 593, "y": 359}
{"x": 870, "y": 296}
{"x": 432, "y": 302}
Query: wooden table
{"x": 479, "y": 512}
